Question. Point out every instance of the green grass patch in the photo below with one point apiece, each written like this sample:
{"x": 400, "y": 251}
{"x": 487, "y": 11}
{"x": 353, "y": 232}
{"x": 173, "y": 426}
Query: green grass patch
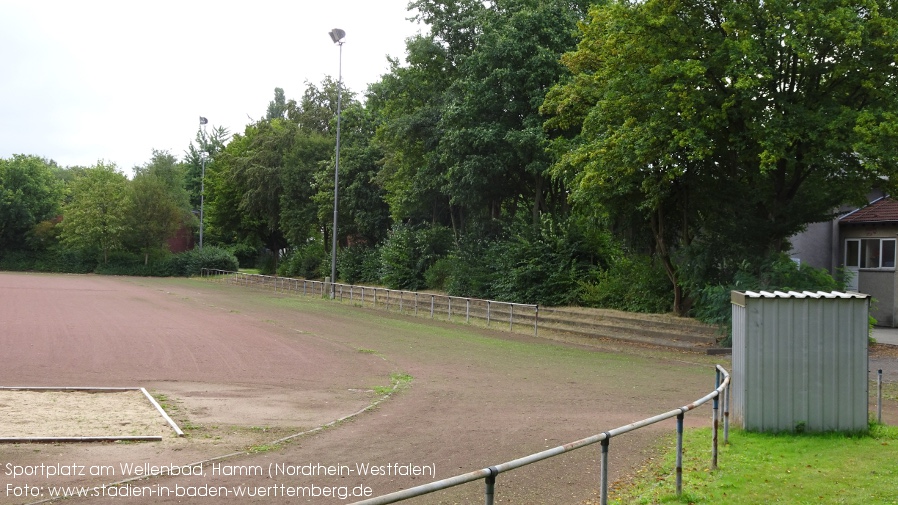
{"x": 859, "y": 468}
{"x": 397, "y": 381}
{"x": 889, "y": 391}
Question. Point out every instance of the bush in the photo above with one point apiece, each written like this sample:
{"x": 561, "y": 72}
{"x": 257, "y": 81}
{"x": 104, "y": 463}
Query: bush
{"x": 438, "y": 274}
{"x": 359, "y": 264}
{"x": 53, "y": 261}
{"x": 160, "y": 264}
{"x": 541, "y": 264}
{"x": 631, "y": 283}
{"x": 408, "y": 252}
{"x": 246, "y": 255}
{"x": 194, "y": 261}
{"x": 308, "y": 262}
{"x": 267, "y": 263}
{"x": 776, "y": 273}
{"x": 125, "y": 263}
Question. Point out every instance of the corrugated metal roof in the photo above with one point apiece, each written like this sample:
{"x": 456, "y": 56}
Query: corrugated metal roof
{"x": 883, "y": 210}
{"x": 738, "y": 297}
{"x": 803, "y": 294}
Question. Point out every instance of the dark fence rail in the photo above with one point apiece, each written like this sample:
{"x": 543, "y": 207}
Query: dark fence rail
{"x": 450, "y": 308}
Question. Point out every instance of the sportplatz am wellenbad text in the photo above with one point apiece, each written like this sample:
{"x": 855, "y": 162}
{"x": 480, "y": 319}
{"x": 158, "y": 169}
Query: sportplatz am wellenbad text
{"x": 221, "y": 470}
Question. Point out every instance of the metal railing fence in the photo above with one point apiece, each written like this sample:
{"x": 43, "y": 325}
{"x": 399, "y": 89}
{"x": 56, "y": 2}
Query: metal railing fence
{"x": 451, "y": 308}
{"x": 721, "y": 386}
{"x": 411, "y": 302}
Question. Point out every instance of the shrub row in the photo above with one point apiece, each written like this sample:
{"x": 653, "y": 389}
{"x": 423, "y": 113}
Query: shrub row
{"x": 122, "y": 263}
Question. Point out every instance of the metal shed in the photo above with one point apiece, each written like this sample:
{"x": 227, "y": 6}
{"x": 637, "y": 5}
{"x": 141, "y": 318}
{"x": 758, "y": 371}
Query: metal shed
{"x": 800, "y": 361}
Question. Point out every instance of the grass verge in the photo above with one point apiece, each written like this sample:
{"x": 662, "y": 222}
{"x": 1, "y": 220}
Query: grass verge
{"x": 756, "y": 468}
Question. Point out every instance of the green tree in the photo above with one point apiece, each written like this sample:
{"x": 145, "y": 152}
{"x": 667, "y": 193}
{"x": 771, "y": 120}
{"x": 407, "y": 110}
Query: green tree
{"x": 248, "y": 188}
{"x": 154, "y": 216}
{"x": 727, "y": 126}
{"x": 29, "y": 194}
{"x": 309, "y": 201}
{"x": 208, "y": 144}
{"x": 159, "y": 203}
{"x": 171, "y": 173}
{"x": 363, "y": 212}
{"x": 462, "y": 133}
{"x": 408, "y": 102}
{"x": 493, "y": 142}
{"x": 277, "y": 107}
{"x": 96, "y": 217}
{"x": 317, "y": 110}
{"x": 307, "y": 157}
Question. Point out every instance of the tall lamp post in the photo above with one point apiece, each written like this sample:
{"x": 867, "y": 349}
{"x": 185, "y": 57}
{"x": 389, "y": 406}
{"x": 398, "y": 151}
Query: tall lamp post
{"x": 337, "y": 36}
{"x": 203, "y": 122}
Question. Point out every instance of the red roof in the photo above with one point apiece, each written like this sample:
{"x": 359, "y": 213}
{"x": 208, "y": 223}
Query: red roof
{"x": 884, "y": 210}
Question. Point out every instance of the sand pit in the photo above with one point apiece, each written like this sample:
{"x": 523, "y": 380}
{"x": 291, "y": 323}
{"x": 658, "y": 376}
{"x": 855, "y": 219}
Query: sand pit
{"x": 71, "y": 414}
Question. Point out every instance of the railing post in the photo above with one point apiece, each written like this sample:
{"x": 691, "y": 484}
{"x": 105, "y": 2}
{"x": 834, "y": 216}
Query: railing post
{"x": 363, "y": 296}
{"x": 510, "y": 317}
{"x": 714, "y": 419}
{"x": 467, "y": 310}
{"x": 680, "y": 454}
{"x": 603, "y": 497}
{"x": 449, "y": 317}
{"x": 487, "y": 313}
{"x": 879, "y": 396}
{"x": 350, "y": 293}
{"x": 375, "y": 298}
{"x": 431, "y": 306}
{"x": 416, "y": 303}
{"x": 726, "y": 413}
{"x": 401, "y": 296}
{"x": 490, "y": 482}
{"x": 536, "y": 321}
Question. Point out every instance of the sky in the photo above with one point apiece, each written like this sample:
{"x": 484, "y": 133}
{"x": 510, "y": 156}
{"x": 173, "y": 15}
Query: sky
{"x": 88, "y": 80}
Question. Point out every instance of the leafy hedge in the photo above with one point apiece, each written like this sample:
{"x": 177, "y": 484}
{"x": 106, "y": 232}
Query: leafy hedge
{"x": 632, "y": 283}
{"x": 712, "y": 303}
{"x": 192, "y": 262}
{"x": 308, "y": 262}
{"x": 121, "y": 263}
{"x": 359, "y": 265}
{"x": 409, "y": 252}
{"x": 69, "y": 262}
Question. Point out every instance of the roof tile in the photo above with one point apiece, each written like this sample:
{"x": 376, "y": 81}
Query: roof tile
{"x": 884, "y": 210}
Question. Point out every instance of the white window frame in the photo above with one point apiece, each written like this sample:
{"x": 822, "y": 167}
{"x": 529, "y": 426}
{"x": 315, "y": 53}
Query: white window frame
{"x": 863, "y": 260}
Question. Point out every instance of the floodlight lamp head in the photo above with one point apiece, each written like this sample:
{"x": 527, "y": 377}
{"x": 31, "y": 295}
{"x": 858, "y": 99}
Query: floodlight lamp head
{"x": 337, "y": 35}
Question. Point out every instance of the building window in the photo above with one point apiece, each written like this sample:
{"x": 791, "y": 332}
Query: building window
{"x": 870, "y": 253}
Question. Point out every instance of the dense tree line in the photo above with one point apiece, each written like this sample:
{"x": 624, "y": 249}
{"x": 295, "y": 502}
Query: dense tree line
{"x": 635, "y": 155}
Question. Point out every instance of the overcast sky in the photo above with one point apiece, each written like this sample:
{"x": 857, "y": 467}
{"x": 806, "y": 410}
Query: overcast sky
{"x": 87, "y": 80}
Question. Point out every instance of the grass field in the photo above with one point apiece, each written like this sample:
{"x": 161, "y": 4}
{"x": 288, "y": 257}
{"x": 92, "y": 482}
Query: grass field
{"x": 757, "y": 468}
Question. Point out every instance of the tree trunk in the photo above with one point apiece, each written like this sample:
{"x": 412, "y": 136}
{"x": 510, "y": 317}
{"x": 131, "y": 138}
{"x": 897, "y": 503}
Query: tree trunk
{"x": 657, "y": 224}
{"x": 537, "y": 199}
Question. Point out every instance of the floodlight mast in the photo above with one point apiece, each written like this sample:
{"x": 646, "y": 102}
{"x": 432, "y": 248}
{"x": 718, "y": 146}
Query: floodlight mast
{"x": 337, "y": 36}
{"x": 203, "y": 122}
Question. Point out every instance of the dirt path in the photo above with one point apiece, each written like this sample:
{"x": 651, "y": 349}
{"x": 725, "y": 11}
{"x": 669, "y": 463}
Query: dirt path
{"x": 240, "y": 369}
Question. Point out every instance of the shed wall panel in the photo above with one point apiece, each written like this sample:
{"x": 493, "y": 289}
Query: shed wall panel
{"x": 737, "y": 385}
{"x": 800, "y": 363}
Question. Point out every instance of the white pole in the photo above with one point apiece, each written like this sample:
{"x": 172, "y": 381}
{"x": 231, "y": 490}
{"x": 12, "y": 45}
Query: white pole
{"x": 337, "y": 36}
